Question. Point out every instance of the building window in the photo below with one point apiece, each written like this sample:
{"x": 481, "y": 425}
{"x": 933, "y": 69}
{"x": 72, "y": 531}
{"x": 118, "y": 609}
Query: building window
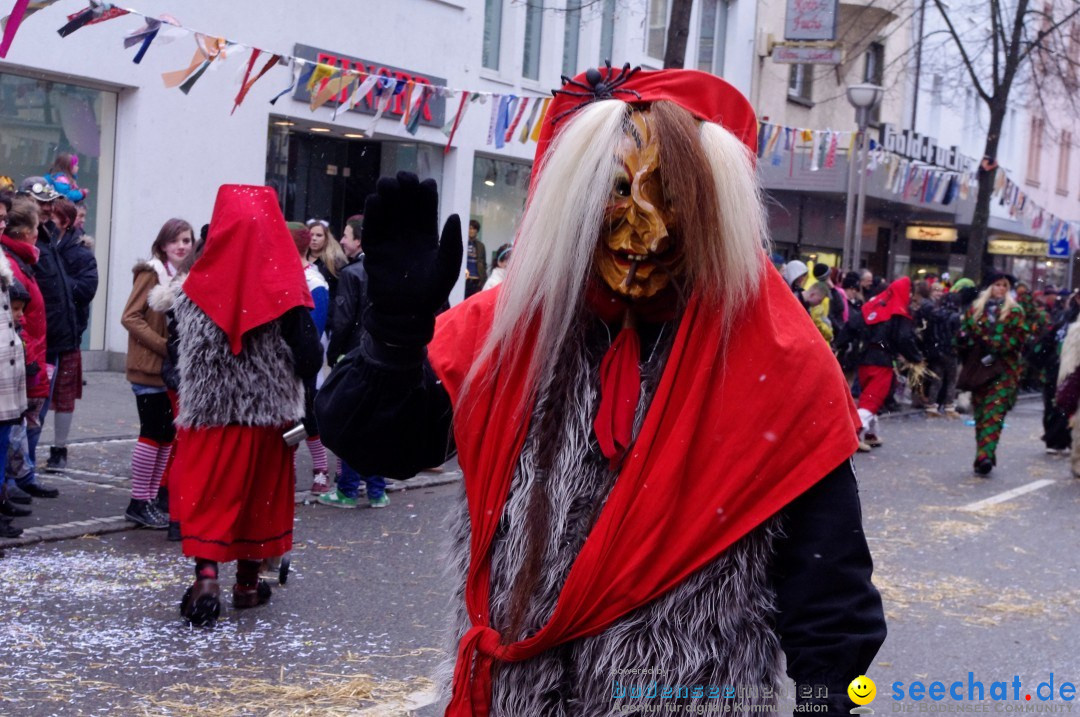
{"x": 499, "y": 190}
{"x": 493, "y": 10}
{"x": 801, "y": 83}
{"x": 1034, "y": 151}
{"x": 1063, "y": 162}
{"x": 607, "y": 31}
{"x": 874, "y": 73}
{"x": 534, "y": 25}
{"x": 40, "y": 118}
{"x": 572, "y": 34}
{"x": 656, "y": 37}
{"x": 711, "y": 39}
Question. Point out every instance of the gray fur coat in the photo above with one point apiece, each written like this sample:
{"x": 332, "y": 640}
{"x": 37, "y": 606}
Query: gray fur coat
{"x": 712, "y": 630}
{"x": 257, "y": 387}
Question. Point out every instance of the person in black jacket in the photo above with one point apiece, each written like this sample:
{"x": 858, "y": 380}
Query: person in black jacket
{"x": 78, "y": 260}
{"x": 345, "y": 334}
{"x": 889, "y": 332}
{"x": 940, "y": 319}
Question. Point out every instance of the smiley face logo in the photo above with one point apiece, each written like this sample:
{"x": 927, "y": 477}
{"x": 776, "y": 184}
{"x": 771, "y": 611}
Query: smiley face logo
{"x": 862, "y": 690}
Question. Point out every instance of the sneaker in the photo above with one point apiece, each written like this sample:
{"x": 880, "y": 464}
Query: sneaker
{"x": 873, "y": 441}
{"x": 951, "y": 412}
{"x": 320, "y": 483}
{"x": 381, "y": 502}
{"x": 934, "y": 412}
{"x": 337, "y": 499}
{"x": 142, "y": 512}
{"x": 57, "y": 459}
{"x": 864, "y": 447}
{"x": 984, "y": 466}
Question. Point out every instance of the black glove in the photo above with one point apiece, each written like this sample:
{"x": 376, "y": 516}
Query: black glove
{"x": 410, "y": 268}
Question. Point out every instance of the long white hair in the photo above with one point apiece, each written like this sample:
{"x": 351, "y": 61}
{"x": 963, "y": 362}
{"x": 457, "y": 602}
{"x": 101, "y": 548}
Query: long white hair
{"x": 557, "y": 239}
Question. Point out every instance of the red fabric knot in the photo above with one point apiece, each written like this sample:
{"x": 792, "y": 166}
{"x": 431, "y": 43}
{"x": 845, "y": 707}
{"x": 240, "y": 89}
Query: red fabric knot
{"x": 471, "y": 696}
{"x": 620, "y": 386}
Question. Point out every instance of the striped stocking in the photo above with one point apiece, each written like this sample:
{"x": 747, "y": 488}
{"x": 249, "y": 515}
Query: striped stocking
{"x": 318, "y": 455}
{"x": 164, "y": 452}
{"x": 143, "y": 462}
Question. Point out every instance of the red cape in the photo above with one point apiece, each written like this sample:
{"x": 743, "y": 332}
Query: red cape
{"x": 894, "y": 301}
{"x": 250, "y": 272}
{"x": 729, "y": 439}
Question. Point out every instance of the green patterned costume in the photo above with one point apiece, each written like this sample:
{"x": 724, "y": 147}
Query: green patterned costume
{"x": 1004, "y": 338}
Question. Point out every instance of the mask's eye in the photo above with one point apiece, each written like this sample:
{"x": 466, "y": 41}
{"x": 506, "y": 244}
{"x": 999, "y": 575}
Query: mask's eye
{"x": 622, "y": 186}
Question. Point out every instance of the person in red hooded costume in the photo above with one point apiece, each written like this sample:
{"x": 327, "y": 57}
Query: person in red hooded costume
{"x": 649, "y": 518}
{"x": 247, "y": 341}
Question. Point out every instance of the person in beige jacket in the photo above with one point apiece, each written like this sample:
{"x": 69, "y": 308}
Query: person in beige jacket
{"x": 147, "y": 341}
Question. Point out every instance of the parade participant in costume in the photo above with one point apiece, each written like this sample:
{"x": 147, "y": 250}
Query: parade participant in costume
{"x": 992, "y": 334}
{"x": 641, "y": 485}
{"x": 247, "y": 342}
{"x": 888, "y": 332}
{"x": 147, "y": 339}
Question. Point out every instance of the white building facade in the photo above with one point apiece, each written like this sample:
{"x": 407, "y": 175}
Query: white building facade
{"x": 150, "y": 152}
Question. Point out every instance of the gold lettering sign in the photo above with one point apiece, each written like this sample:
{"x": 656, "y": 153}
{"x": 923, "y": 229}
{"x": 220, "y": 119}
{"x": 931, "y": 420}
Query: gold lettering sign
{"x": 923, "y": 233}
{"x": 1016, "y": 247}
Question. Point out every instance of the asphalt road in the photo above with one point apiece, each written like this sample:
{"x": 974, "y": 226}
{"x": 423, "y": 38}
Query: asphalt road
{"x": 89, "y": 625}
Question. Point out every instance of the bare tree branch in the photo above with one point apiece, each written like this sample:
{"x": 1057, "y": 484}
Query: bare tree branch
{"x": 963, "y": 51}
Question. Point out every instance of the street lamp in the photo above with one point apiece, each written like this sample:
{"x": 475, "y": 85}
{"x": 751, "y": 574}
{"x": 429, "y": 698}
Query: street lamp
{"x": 863, "y": 97}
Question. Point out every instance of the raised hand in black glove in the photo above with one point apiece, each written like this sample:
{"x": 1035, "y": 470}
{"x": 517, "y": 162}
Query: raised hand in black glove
{"x": 410, "y": 268}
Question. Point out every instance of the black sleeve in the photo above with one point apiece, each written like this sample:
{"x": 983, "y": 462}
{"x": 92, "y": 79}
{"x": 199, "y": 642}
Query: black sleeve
{"x": 383, "y": 410}
{"x": 829, "y": 615}
{"x": 83, "y": 272}
{"x": 904, "y": 340}
{"x": 300, "y": 333}
{"x": 345, "y": 316}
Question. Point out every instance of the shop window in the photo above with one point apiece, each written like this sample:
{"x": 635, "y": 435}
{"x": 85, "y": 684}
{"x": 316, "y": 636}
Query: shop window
{"x": 712, "y": 35}
{"x": 1063, "y": 162}
{"x": 607, "y": 30}
{"x": 801, "y": 83}
{"x": 656, "y": 36}
{"x": 534, "y": 26}
{"x": 40, "y": 118}
{"x": 1034, "y": 151}
{"x": 571, "y": 37}
{"x": 493, "y": 12}
{"x": 499, "y": 190}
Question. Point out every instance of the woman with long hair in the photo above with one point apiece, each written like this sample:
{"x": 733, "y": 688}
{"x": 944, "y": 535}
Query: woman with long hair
{"x": 325, "y": 253}
{"x": 994, "y": 329}
{"x": 147, "y": 351}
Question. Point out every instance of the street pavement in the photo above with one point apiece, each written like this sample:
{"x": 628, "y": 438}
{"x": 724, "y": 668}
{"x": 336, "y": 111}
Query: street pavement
{"x": 974, "y": 579}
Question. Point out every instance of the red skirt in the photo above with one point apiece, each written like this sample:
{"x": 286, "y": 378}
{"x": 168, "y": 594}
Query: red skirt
{"x": 234, "y": 492}
{"x": 875, "y": 382}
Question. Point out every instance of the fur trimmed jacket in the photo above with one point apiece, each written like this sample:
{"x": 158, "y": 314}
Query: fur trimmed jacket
{"x": 260, "y": 386}
{"x": 147, "y": 332}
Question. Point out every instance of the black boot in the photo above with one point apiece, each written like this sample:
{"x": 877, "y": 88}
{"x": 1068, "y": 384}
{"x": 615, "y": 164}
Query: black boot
{"x": 13, "y": 511}
{"x": 57, "y": 458}
{"x": 162, "y": 500}
{"x": 174, "y": 532}
{"x": 17, "y": 495}
{"x": 143, "y": 513}
{"x": 7, "y": 530}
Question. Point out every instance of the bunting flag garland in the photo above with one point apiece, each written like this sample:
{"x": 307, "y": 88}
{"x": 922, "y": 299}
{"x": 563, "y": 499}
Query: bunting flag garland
{"x": 330, "y": 88}
{"x": 466, "y": 100}
{"x": 830, "y": 155}
{"x": 249, "y": 83}
{"x": 361, "y": 91}
{"x": 410, "y": 85}
{"x": 10, "y": 23}
{"x": 94, "y": 13}
{"x": 527, "y": 127}
{"x": 535, "y": 136}
{"x": 522, "y": 106}
{"x": 493, "y": 121}
{"x": 413, "y": 125}
{"x": 385, "y": 90}
{"x": 145, "y": 35}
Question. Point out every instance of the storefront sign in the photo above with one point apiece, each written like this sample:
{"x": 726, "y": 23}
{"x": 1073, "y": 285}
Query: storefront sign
{"x": 924, "y": 233}
{"x": 1016, "y": 247}
{"x": 432, "y": 114}
{"x": 810, "y": 20}
{"x": 795, "y": 54}
{"x": 920, "y": 148}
